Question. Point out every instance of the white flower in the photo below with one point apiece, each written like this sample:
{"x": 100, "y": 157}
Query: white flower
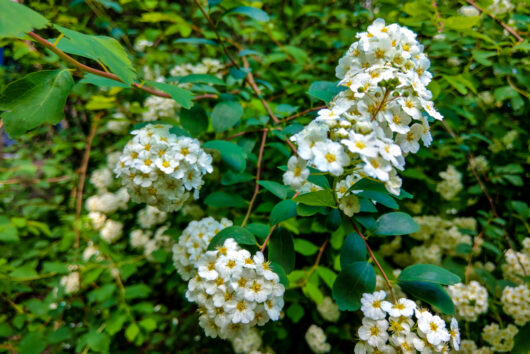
{"x": 404, "y": 307}
{"x": 350, "y": 205}
{"x": 296, "y": 173}
{"x": 434, "y": 329}
{"x": 361, "y": 144}
{"x": 377, "y": 167}
{"x": 374, "y": 332}
{"x": 111, "y": 231}
{"x": 258, "y": 290}
{"x": 455, "y": 334}
{"x": 242, "y": 310}
{"x": 330, "y": 157}
{"x": 372, "y": 305}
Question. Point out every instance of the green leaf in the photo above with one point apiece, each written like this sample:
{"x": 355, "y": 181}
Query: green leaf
{"x": 225, "y": 200}
{"x": 487, "y": 278}
{"x": 280, "y": 190}
{"x": 231, "y": 154}
{"x": 324, "y": 90}
{"x": 304, "y": 247}
{"x": 284, "y": 210}
{"x": 352, "y": 282}
{"x": 281, "y": 249}
{"x": 295, "y": 312}
{"x": 428, "y": 273}
{"x": 101, "y": 81}
{"x": 278, "y": 269}
{"x": 312, "y": 291}
{"x": 259, "y": 230}
{"x": 148, "y": 324}
{"x": 194, "y": 120}
{"x": 460, "y": 22}
{"x": 98, "y": 342}
{"x": 17, "y": 19}
{"x": 395, "y": 223}
{"x": 482, "y": 56}
{"x": 201, "y": 78}
{"x": 225, "y": 115}
{"x": 433, "y": 294}
{"x": 8, "y": 231}
{"x": 353, "y": 250}
{"x": 35, "y": 99}
{"x": 257, "y": 14}
{"x": 382, "y": 198}
{"x": 137, "y": 291}
{"x": 327, "y": 275}
{"x": 366, "y": 184}
{"x": 107, "y": 50}
{"x": 32, "y": 343}
{"x": 240, "y": 235}
{"x": 115, "y": 323}
{"x": 522, "y": 341}
{"x": 319, "y": 198}
{"x": 182, "y": 96}
{"x": 132, "y": 331}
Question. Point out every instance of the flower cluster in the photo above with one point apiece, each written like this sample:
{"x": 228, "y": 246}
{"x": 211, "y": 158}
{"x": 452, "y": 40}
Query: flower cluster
{"x": 151, "y": 216}
{"x": 248, "y": 342}
{"x": 451, "y": 183}
{"x": 142, "y": 239}
{"x": 316, "y": 340}
{"x": 234, "y": 291}
{"x": 516, "y": 303}
{"x": 328, "y": 309}
{"x": 378, "y": 119}
{"x": 407, "y": 329}
{"x": 112, "y": 230}
{"x": 501, "y": 340}
{"x": 471, "y": 300}
{"x": 70, "y": 282}
{"x": 162, "y": 169}
{"x": 193, "y": 243}
{"x": 511, "y": 269}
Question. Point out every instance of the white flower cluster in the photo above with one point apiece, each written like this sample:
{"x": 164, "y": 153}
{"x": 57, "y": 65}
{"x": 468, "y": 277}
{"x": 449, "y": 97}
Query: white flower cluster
{"x": 108, "y": 203}
{"x": 193, "y": 243}
{"x": 102, "y": 179}
{"x": 500, "y": 7}
{"x": 451, "y": 183}
{"x": 471, "y": 300}
{"x": 112, "y": 230}
{"x": 328, "y": 309}
{"x": 378, "y": 119}
{"x": 151, "y": 216}
{"x": 248, "y": 342}
{"x": 468, "y": 346}
{"x": 70, "y": 282}
{"x": 440, "y": 237}
{"x": 161, "y": 169}
{"x": 142, "y": 239}
{"x": 511, "y": 269}
{"x": 316, "y": 340}
{"x": 206, "y": 66}
{"x": 119, "y": 122}
{"x": 426, "y": 333}
{"x": 501, "y": 340}
{"x": 516, "y": 303}
{"x": 159, "y": 107}
{"x": 234, "y": 291}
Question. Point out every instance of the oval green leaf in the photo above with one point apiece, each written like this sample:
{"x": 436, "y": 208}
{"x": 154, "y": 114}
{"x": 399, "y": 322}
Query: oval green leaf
{"x": 395, "y": 223}
{"x": 428, "y": 273}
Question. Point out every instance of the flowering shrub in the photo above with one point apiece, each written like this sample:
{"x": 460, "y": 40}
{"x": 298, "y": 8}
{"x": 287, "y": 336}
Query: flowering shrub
{"x": 247, "y": 177}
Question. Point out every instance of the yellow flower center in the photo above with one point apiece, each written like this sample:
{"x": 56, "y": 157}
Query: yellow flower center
{"x": 330, "y": 157}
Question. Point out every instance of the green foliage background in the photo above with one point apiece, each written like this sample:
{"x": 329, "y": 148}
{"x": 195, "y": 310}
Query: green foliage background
{"x": 290, "y": 46}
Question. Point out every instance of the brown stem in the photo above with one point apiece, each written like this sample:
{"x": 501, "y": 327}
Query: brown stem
{"x": 317, "y": 261}
{"x": 439, "y": 23}
{"x": 303, "y": 113}
{"x": 387, "y": 91}
{"x": 374, "y": 259}
{"x": 83, "y": 172}
{"x": 258, "y": 173}
{"x": 504, "y": 25}
{"x": 214, "y": 27}
{"x": 262, "y": 249}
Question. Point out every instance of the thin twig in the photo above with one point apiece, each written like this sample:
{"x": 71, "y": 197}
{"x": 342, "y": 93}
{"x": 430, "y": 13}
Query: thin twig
{"x": 375, "y": 259}
{"x": 83, "y": 172}
{"x": 214, "y": 27}
{"x": 268, "y": 238}
{"x": 258, "y": 173}
{"x": 439, "y": 23}
{"x": 475, "y": 246}
{"x": 303, "y": 113}
{"x": 317, "y": 261}
{"x": 504, "y": 25}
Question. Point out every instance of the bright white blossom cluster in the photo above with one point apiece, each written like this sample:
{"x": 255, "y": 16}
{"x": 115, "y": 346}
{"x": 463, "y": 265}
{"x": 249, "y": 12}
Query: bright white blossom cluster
{"x": 112, "y": 230}
{"x": 149, "y": 242}
{"x": 151, "y": 216}
{"x": 451, "y": 183}
{"x": 162, "y": 169}
{"x": 378, "y": 119}
{"x": 501, "y": 340}
{"x": 471, "y": 300}
{"x": 516, "y": 303}
{"x": 70, "y": 282}
{"x": 328, "y": 309}
{"x": 408, "y": 328}
{"x": 108, "y": 203}
{"x": 193, "y": 243}
{"x": 235, "y": 291}
{"x": 316, "y": 340}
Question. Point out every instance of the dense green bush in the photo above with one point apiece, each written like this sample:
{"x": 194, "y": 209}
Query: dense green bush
{"x": 87, "y": 266}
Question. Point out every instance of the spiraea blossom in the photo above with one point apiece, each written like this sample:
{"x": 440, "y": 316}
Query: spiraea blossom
{"x": 403, "y": 327}
{"x": 193, "y": 243}
{"x": 162, "y": 169}
{"x": 316, "y": 340}
{"x": 235, "y": 291}
{"x": 378, "y": 119}
{"x": 471, "y": 300}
